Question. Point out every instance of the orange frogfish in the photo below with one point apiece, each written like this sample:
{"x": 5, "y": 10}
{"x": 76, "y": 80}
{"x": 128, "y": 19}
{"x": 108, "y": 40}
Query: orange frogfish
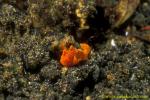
{"x": 72, "y": 56}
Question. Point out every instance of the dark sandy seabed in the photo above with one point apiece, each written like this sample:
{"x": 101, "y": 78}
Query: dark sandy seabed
{"x": 118, "y": 65}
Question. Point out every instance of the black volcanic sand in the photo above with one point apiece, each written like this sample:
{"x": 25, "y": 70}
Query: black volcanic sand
{"x": 118, "y": 65}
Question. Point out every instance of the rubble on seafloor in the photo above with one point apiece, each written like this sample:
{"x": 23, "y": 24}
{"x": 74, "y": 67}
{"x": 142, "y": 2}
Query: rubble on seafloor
{"x": 34, "y": 33}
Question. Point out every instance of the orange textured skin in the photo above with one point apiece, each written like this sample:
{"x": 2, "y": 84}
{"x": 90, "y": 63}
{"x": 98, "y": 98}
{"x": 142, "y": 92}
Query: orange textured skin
{"x": 86, "y": 49}
{"x": 73, "y": 56}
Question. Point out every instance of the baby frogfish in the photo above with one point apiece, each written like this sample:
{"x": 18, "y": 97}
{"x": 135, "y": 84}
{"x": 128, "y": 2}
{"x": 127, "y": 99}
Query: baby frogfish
{"x": 73, "y": 56}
